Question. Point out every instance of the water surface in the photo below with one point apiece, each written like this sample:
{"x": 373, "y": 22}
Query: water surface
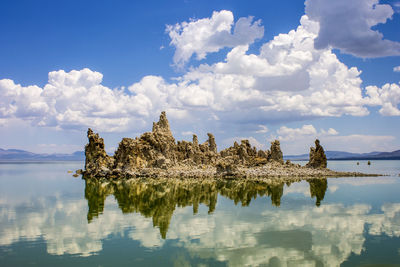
{"x": 49, "y": 218}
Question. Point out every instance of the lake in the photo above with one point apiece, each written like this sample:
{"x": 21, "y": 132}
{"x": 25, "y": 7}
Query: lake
{"x": 49, "y": 218}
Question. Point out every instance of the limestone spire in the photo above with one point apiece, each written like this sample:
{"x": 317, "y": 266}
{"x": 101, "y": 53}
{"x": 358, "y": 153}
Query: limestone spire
{"x": 162, "y": 125}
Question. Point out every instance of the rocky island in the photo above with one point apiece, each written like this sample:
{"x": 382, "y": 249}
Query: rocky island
{"x": 156, "y": 154}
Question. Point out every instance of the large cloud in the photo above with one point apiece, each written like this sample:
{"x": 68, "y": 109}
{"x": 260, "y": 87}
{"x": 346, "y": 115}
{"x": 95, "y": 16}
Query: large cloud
{"x": 289, "y": 77}
{"x": 347, "y": 25}
{"x": 208, "y": 35}
{"x": 72, "y": 100}
{"x": 288, "y": 80}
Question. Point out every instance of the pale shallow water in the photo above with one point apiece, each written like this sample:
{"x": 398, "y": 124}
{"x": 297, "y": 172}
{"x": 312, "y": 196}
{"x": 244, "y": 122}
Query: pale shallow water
{"x": 49, "y": 218}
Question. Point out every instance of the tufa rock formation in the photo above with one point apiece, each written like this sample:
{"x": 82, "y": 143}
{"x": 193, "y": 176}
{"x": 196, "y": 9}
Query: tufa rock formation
{"x": 156, "y": 154}
{"x": 97, "y": 162}
{"x": 155, "y": 149}
{"x": 317, "y": 157}
{"x": 275, "y": 152}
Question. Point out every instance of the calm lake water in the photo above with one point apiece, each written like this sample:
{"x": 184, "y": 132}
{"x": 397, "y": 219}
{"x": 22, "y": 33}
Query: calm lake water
{"x": 49, "y": 218}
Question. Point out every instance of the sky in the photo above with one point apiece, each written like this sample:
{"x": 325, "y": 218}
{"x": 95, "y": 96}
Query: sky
{"x": 258, "y": 70}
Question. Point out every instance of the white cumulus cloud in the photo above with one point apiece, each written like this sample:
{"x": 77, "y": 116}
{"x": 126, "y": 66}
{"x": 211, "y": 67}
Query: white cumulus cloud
{"x": 74, "y": 99}
{"x": 347, "y": 25}
{"x": 287, "y": 80}
{"x": 203, "y": 36}
{"x": 262, "y": 129}
{"x": 396, "y": 69}
{"x": 286, "y": 133}
{"x": 388, "y": 97}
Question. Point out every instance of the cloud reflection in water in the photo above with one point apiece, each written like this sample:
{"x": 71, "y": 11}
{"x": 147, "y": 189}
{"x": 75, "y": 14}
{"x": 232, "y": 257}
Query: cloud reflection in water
{"x": 325, "y": 233}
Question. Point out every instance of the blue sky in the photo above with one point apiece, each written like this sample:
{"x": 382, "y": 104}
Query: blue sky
{"x": 259, "y": 70}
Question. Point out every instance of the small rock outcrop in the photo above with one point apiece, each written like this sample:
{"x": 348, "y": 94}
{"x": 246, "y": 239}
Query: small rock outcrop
{"x": 317, "y": 156}
{"x": 244, "y": 154}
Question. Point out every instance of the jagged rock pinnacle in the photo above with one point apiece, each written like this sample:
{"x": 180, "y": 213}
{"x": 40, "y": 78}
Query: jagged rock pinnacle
{"x": 195, "y": 141}
{"x": 96, "y": 159}
{"x": 275, "y": 152}
{"x": 162, "y": 125}
{"x": 211, "y": 143}
{"x": 317, "y": 156}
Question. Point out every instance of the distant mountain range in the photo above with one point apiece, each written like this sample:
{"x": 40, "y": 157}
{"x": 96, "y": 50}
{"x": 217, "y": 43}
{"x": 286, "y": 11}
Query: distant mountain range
{"x": 340, "y": 155}
{"x": 22, "y": 155}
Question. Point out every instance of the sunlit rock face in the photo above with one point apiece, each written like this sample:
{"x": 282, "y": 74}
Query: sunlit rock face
{"x": 97, "y": 161}
{"x": 244, "y": 154}
{"x": 153, "y": 149}
{"x": 317, "y": 156}
{"x": 275, "y": 152}
{"x": 158, "y": 149}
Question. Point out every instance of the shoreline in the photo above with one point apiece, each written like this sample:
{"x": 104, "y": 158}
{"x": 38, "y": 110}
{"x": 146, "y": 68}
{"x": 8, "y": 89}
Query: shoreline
{"x": 269, "y": 172}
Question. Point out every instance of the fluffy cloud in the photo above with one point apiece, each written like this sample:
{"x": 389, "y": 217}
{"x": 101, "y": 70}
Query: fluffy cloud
{"x": 286, "y": 133}
{"x": 73, "y": 100}
{"x": 388, "y": 97}
{"x": 396, "y": 69}
{"x": 298, "y": 140}
{"x": 347, "y": 25}
{"x": 292, "y": 134}
{"x": 289, "y": 77}
{"x": 262, "y": 129}
{"x": 208, "y": 35}
{"x": 287, "y": 80}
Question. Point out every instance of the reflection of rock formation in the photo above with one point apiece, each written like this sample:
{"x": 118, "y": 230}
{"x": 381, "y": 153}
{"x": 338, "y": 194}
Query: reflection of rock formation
{"x": 96, "y": 196}
{"x": 286, "y": 235}
{"x": 317, "y": 189}
{"x": 154, "y": 198}
{"x": 158, "y": 198}
{"x": 245, "y": 191}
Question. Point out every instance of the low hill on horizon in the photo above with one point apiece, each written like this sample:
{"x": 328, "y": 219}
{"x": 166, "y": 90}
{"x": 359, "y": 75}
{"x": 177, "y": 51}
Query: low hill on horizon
{"x": 23, "y": 155}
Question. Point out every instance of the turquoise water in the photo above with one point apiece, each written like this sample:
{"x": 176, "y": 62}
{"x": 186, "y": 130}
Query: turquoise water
{"x": 49, "y": 218}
